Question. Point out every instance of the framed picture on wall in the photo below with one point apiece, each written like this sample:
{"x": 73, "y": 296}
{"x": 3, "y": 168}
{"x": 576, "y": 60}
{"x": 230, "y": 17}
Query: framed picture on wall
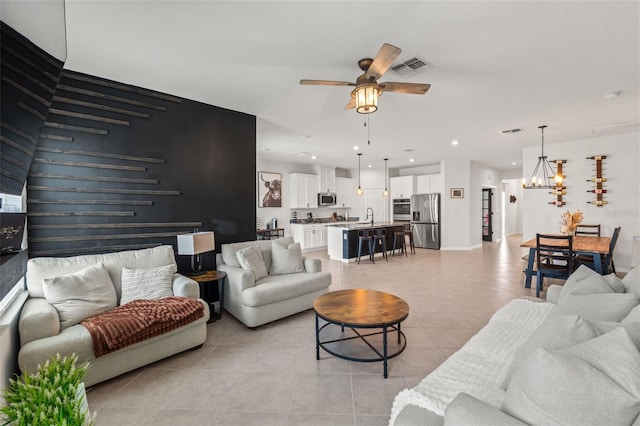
{"x": 269, "y": 189}
{"x": 457, "y": 192}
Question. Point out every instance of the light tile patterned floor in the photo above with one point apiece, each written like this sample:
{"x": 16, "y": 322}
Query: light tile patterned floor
{"x": 269, "y": 376}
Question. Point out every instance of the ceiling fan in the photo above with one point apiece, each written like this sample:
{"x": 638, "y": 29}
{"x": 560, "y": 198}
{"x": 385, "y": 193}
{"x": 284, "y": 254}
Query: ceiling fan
{"x": 364, "y": 98}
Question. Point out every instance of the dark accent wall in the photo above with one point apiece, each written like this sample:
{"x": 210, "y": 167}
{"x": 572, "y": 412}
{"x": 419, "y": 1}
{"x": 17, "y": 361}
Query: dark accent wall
{"x": 121, "y": 167}
{"x": 28, "y": 79}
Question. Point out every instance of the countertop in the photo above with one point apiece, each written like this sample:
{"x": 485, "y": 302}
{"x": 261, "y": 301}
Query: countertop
{"x": 365, "y": 225}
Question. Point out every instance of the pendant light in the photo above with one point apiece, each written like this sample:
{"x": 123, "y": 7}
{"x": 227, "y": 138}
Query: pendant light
{"x": 543, "y": 176}
{"x": 359, "y": 190}
{"x": 386, "y": 191}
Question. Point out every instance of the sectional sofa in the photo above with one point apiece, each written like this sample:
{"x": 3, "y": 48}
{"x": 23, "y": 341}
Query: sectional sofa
{"x": 573, "y": 359}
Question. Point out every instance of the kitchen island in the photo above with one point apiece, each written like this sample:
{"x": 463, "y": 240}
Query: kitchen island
{"x": 342, "y": 239}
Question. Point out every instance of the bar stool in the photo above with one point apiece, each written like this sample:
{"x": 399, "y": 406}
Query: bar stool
{"x": 365, "y": 236}
{"x": 409, "y": 232}
{"x": 380, "y": 235}
{"x": 399, "y": 237}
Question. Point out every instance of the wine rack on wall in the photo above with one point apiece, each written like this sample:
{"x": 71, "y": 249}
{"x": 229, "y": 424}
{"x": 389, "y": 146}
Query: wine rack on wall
{"x": 598, "y": 180}
{"x": 560, "y": 189}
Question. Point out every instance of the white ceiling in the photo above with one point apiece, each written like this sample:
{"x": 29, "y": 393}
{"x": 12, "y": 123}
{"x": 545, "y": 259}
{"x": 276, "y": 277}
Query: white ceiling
{"x": 496, "y": 65}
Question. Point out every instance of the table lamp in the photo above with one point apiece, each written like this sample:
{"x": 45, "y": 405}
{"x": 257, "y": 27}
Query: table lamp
{"x": 194, "y": 244}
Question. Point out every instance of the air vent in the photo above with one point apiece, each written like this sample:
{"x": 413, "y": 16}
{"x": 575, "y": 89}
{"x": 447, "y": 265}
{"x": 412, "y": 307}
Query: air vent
{"x": 411, "y": 67}
{"x": 510, "y": 131}
{"x": 625, "y": 126}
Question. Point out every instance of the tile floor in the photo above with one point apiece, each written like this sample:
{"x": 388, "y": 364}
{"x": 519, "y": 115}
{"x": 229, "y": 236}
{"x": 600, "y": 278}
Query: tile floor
{"x": 269, "y": 376}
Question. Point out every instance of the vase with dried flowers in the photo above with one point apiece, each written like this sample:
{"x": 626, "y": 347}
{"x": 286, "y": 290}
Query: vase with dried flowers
{"x": 570, "y": 222}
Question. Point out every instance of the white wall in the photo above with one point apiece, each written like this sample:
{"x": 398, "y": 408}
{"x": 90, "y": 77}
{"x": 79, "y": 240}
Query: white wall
{"x": 623, "y": 186}
{"x": 456, "y": 212}
{"x": 42, "y": 22}
{"x": 513, "y": 211}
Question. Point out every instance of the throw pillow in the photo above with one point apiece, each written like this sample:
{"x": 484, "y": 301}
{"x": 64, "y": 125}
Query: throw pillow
{"x": 632, "y": 281}
{"x": 286, "y": 259}
{"x": 555, "y": 333}
{"x": 597, "y": 307}
{"x": 633, "y": 316}
{"x": 147, "y": 283}
{"x": 80, "y": 295}
{"x": 574, "y": 279}
{"x": 593, "y": 285}
{"x": 557, "y": 387}
{"x": 616, "y": 283}
{"x": 250, "y": 258}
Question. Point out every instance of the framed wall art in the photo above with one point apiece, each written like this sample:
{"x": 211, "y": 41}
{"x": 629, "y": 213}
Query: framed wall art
{"x": 269, "y": 189}
{"x": 457, "y": 192}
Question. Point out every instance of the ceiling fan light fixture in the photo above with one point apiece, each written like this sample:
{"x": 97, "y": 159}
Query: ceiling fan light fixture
{"x": 366, "y": 96}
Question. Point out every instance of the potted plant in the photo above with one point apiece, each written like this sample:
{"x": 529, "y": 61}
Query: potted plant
{"x": 54, "y": 394}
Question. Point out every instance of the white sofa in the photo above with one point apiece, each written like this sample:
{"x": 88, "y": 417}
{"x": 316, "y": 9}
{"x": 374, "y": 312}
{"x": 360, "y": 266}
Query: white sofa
{"x": 257, "y": 302}
{"x": 571, "y": 360}
{"x": 42, "y": 336}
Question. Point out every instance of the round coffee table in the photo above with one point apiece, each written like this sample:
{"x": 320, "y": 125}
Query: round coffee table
{"x": 361, "y": 309}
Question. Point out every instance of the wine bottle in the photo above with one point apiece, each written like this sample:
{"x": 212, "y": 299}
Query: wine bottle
{"x": 597, "y": 179}
{"x": 563, "y": 192}
{"x": 598, "y": 202}
{"x": 597, "y": 191}
{"x": 597, "y": 157}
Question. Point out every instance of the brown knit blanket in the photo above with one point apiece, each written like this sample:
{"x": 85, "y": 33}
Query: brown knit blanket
{"x": 139, "y": 320}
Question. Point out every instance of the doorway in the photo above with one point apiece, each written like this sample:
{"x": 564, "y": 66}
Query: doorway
{"x": 487, "y": 215}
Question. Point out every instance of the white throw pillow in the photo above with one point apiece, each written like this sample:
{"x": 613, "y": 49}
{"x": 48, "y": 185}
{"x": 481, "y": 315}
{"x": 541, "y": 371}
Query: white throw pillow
{"x": 594, "y": 284}
{"x": 633, "y": 316}
{"x": 574, "y": 279}
{"x": 80, "y": 295}
{"x": 593, "y": 383}
{"x": 250, "y": 258}
{"x": 286, "y": 259}
{"x": 597, "y": 307}
{"x": 147, "y": 283}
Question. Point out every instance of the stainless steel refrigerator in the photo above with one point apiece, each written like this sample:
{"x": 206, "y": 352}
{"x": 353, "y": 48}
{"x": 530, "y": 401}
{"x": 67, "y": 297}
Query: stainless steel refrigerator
{"x": 425, "y": 220}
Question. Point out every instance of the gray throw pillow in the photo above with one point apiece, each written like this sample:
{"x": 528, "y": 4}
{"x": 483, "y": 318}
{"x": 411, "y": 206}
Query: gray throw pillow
{"x": 250, "y": 258}
{"x": 593, "y": 383}
{"x": 146, "y": 283}
{"x": 631, "y": 281}
{"x": 80, "y": 295}
{"x": 597, "y": 307}
{"x": 286, "y": 259}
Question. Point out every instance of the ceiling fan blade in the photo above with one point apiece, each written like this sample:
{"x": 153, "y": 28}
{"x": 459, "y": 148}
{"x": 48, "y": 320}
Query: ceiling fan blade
{"x": 410, "y": 88}
{"x": 351, "y": 104}
{"x": 326, "y": 83}
{"x": 383, "y": 60}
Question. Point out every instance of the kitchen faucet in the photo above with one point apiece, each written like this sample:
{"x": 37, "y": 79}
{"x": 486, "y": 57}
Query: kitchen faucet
{"x": 369, "y": 208}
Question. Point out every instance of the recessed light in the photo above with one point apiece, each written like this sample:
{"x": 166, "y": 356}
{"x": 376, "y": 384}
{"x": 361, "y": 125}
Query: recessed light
{"x": 369, "y": 166}
{"x": 355, "y": 148}
{"x": 514, "y": 163}
{"x": 313, "y": 157}
{"x": 411, "y": 160}
{"x": 454, "y": 143}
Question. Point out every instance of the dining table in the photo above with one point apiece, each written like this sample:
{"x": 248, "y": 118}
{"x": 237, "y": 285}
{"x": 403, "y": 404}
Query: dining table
{"x": 596, "y": 247}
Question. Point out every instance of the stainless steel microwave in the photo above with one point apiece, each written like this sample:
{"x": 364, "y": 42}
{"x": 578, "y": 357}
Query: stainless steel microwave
{"x": 327, "y": 199}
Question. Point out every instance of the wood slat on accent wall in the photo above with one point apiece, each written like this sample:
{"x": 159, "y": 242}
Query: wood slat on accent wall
{"x": 102, "y": 154}
{"x": 102, "y": 190}
{"x": 122, "y": 225}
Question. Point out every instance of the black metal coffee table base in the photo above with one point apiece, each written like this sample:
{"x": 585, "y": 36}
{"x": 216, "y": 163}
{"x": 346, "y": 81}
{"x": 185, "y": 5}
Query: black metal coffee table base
{"x": 378, "y": 354}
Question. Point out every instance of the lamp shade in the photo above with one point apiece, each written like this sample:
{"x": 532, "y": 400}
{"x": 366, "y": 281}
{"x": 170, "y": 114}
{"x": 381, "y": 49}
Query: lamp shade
{"x": 196, "y": 243}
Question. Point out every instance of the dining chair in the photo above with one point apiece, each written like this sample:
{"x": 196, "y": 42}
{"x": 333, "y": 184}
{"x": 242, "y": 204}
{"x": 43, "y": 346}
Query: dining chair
{"x": 607, "y": 261}
{"x": 554, "y": 258}
{"x": 380, "y": 237}
{"x": 588, "y": 230}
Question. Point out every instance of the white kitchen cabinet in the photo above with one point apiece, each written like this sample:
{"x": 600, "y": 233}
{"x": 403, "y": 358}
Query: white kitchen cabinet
{"x": 402, "y": 186}
{"x": 303, "y": 191}
{"x": 427, "y": 184}
{"x": 344, "y": 192}
{"x": 310, "y": 236}
{"x": 327, "y": 179}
